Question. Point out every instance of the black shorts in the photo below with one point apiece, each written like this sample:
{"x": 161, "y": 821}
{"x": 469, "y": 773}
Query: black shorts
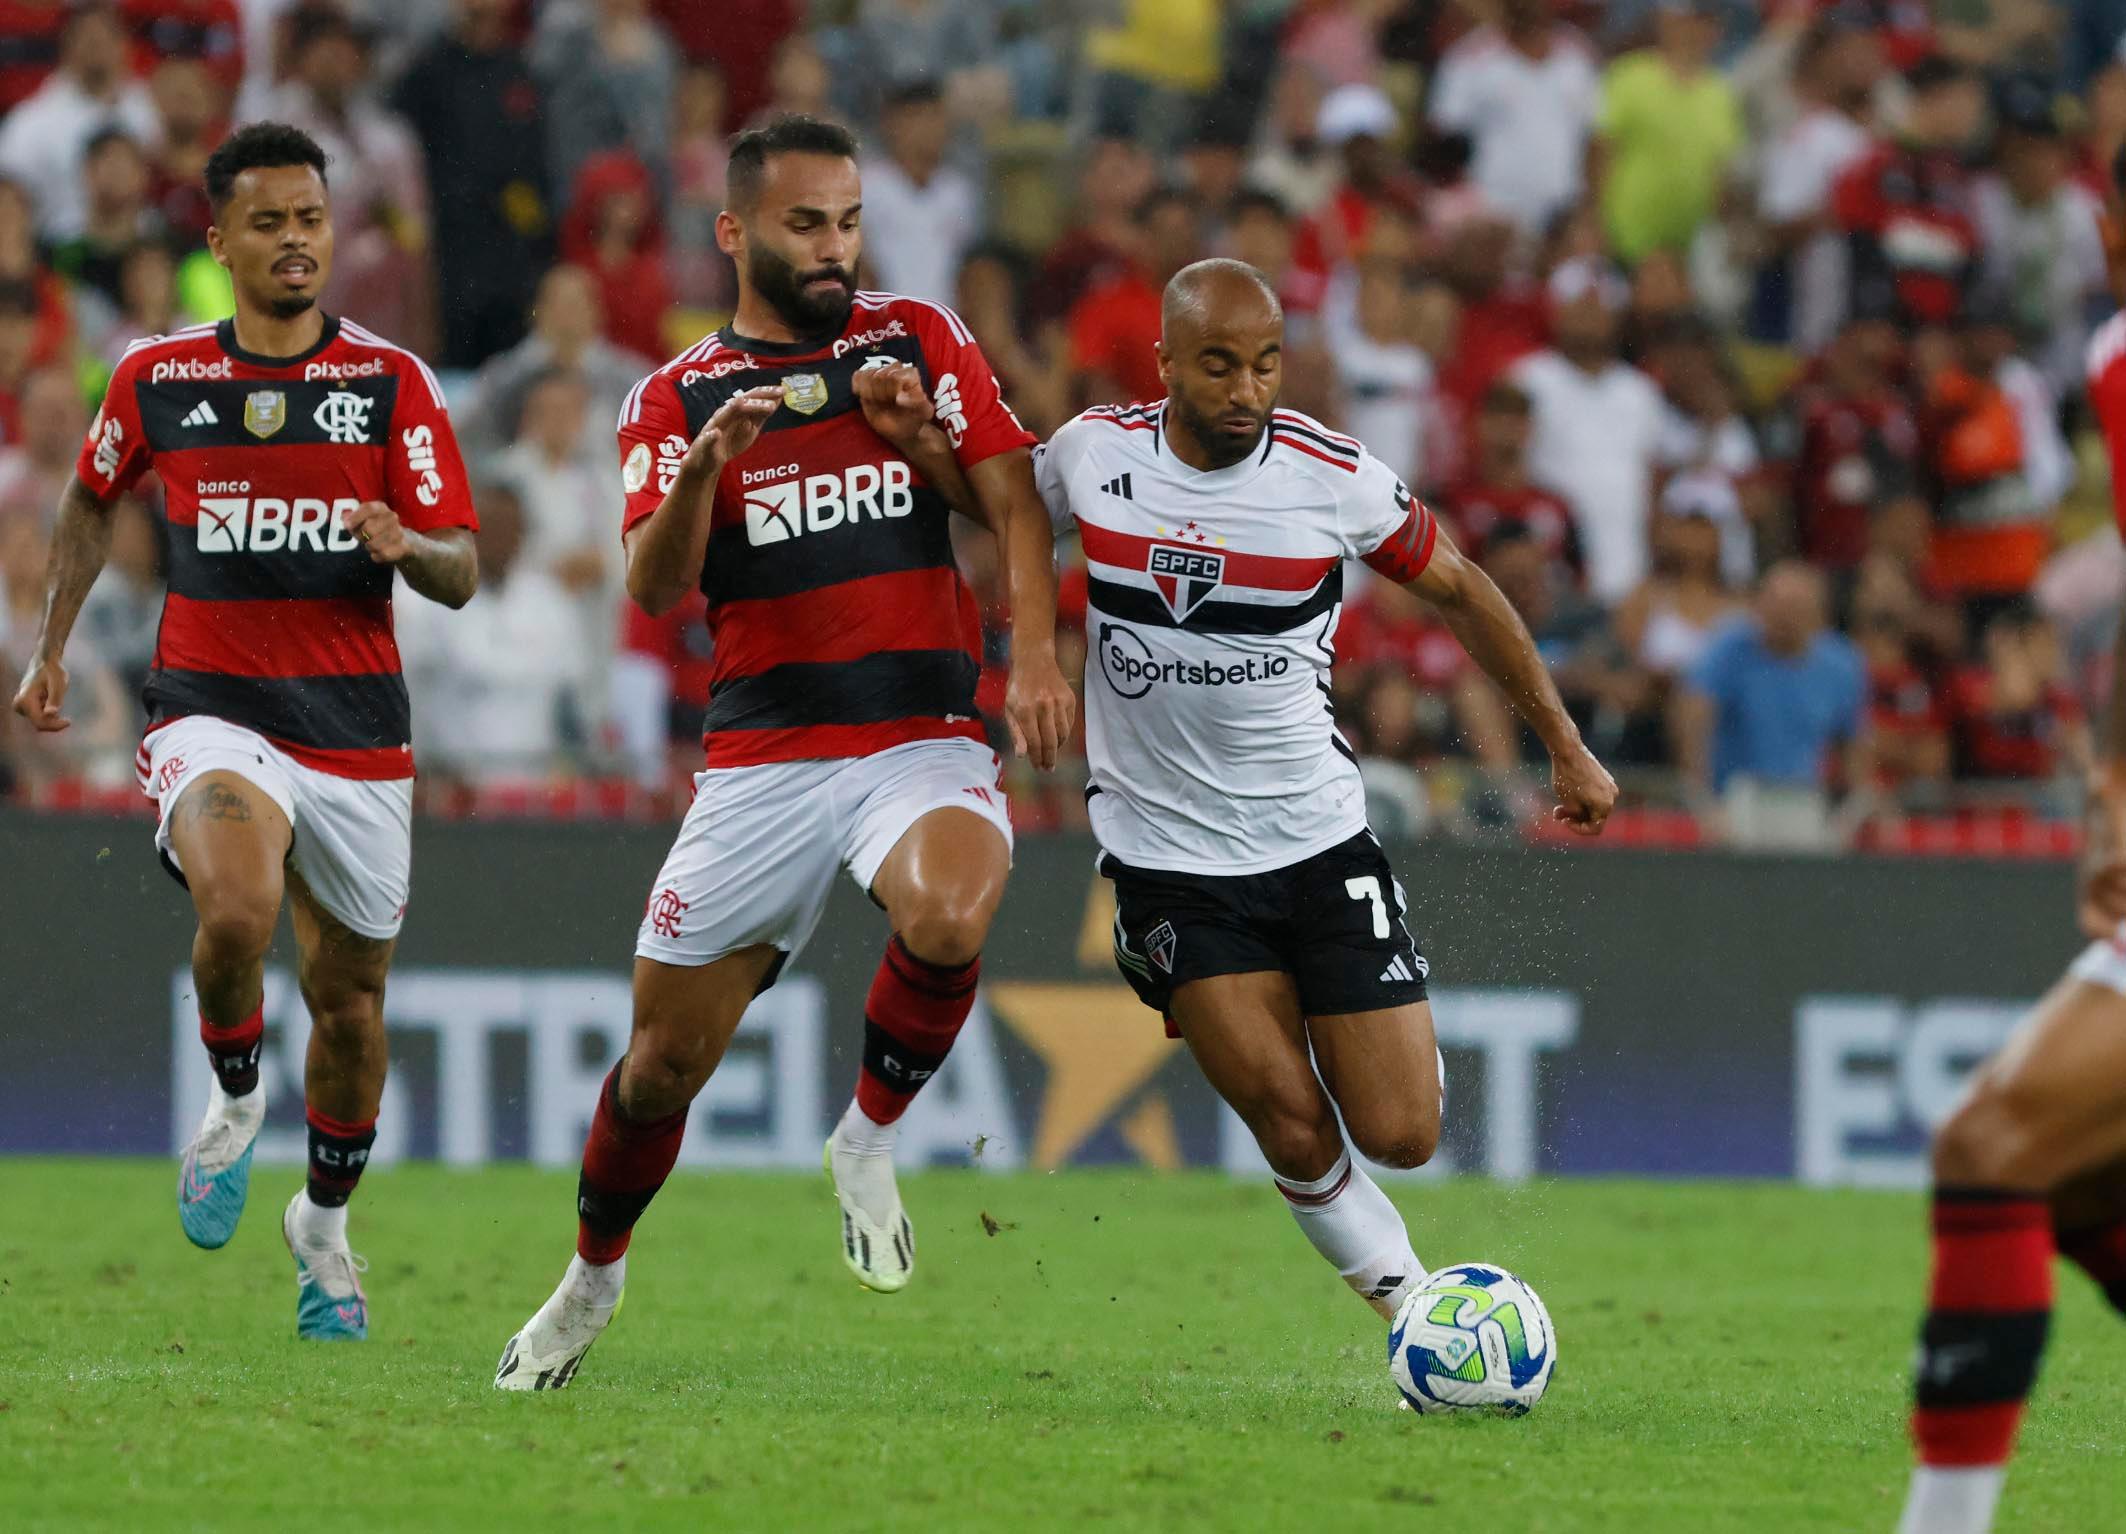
{"x": 1335, "y": 922}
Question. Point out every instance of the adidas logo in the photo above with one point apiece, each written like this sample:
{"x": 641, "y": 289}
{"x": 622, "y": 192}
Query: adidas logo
{"x": 202, "y": 415}
{"x": 1398, "y": 969}
{"x": 1119, "y": 485}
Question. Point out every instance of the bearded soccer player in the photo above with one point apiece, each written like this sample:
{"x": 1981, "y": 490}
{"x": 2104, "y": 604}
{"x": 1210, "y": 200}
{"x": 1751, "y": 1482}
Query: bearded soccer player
{"x": 2032, "y": 1161}
{"x": 1255, "y": 909}
{"x": 776, "y": 466}
{"x": 303, "y": 461}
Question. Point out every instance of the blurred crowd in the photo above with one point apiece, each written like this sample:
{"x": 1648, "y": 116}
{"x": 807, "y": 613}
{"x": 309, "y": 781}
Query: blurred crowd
{"x": 1742, "y": 343}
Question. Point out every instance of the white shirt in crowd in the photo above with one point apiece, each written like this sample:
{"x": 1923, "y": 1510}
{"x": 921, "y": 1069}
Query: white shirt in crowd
{"x": 1388, "y": 398}
{"x": 1595, "y": 441}
{"x": 1530, "y": 119}
{"x": 2048, "y": 262}
{"x": 44, "y": 141}
{"x": 1799, "y": 169}
{"x": 915, "y": 236}
{"x": 487, "y": 680}
{"x": 1709, "y": 465}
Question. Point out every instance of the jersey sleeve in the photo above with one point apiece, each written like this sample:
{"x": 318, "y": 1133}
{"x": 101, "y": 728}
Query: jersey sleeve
{"x": 115, "y": 453}
{"x": 424, "y": 473}
{"x": 1049, "y": 459}
{"x": 2107, "y": 397}
{"x": 969, "y": 404}
{"x": 1385, "y": 525}
{"x": 653, "y": 442}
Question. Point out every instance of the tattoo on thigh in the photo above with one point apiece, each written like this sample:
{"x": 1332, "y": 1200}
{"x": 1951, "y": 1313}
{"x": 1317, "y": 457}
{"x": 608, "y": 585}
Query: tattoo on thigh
{"x": 219, "y": 803}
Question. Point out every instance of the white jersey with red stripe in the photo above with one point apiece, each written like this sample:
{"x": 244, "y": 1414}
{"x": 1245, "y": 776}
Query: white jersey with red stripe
{"x": 1213, "y": 598}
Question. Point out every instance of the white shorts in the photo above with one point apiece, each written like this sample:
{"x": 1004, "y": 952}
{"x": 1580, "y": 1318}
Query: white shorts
{"x": 2103, "y": 963}
{"x": 757, "y": 852}
{"x": 353, "y": 843}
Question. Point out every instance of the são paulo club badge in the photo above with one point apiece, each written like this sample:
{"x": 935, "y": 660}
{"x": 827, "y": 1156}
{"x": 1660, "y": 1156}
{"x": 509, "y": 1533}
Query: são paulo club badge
{"x": 1185, "y": 577}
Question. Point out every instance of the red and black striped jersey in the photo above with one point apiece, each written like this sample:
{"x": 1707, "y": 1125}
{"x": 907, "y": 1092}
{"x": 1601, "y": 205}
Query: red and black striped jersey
{"x": 840, "y": 621}
{"x": 276, "y": 618}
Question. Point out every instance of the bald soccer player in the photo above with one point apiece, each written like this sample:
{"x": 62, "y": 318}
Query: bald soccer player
{"x": 1256, "y": 912}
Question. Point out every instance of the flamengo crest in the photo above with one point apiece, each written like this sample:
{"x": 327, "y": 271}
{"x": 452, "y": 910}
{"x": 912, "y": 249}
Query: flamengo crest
{"x": 1185, "y": 577}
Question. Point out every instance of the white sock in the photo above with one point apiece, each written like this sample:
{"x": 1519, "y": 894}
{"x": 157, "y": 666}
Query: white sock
{"x": 318, "y": 1226}
{"x": 246, "y": 1112}
{"x": 595, "y": 1283}
{"x": 1351, "y": 1222}
{"x": 857, "y": 1135}
{"x": 1952, "y": 1500}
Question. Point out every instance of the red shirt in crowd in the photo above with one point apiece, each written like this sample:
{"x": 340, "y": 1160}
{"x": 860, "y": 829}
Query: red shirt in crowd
{"x": 1910, "y": 213}
{"x": 1854, "y": 454}
{"x": 1112, "y": 332}
{"x": 2021, "y": 743}
{"x": 29, "y": 47}
{"x": 1478, "y": 510}
{"x": 1901, "y": 704}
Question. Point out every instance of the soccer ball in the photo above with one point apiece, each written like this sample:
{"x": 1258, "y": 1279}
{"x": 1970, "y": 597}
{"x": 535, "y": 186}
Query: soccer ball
{"x": 1472, "y": 1338}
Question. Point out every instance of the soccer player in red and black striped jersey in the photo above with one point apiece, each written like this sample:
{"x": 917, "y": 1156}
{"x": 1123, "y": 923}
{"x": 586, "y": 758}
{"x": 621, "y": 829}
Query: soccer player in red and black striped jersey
{"x": 796, "y": 467}
{"x": 2032, "y": 1161}
{"x": 303, "y": 461}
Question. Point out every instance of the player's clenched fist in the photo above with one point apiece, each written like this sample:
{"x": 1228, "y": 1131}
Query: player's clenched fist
{"x": 894, "y": 402}
{"x": 1586, "y": 792}
{"x": 42, "y": 691}
{"x": 731, "y": 430}
{"x": 379, "y": 530}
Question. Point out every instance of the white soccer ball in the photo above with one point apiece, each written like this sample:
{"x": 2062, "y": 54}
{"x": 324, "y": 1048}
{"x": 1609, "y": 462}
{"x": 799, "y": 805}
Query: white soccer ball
{"x": 1472, "y": 1338}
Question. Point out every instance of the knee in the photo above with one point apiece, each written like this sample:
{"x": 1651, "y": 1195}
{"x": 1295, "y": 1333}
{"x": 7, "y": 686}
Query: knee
{"x": 1299, "y": 1139}
{"x": 344, "y": 1012}
{"x": 1995, "y": 1138}
{"x": 666, "y": 1070}
{"x": 1404, "y": 1135}
{"x": 948, "y": 928}
{"x": 236, "y": 924}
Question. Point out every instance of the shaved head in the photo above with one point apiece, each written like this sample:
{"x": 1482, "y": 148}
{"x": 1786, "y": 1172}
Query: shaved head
{"x": 1218, "y": 292}
{"x": 1221, "y": 350}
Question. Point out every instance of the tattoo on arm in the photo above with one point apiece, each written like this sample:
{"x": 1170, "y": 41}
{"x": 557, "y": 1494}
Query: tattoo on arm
{"x": 444, "y": 567}
{"x": 80, "y": 542}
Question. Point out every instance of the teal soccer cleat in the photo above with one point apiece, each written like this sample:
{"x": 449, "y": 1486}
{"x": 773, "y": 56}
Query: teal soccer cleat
{"x": 215, "y": 1176}
{"x": 329, "y": 1303}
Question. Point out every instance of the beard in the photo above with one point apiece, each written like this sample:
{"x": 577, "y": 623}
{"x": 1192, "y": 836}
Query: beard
{"x": 1220, "y": 447}
{"x": 806, "y": 312}
{"x": 286, "y": 306}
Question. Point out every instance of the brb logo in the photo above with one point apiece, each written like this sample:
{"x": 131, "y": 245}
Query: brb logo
{"x": 780, "y": 505}
{"x": 242, "y": 524}
{"x": 1132, "y": 669}
{"x": 1185, "y": 577}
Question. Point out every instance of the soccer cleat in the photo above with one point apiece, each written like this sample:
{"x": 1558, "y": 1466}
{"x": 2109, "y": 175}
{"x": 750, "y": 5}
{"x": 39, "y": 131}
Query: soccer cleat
{"x": 329, "y": 1303}
{"x": 214, "y": 1178}
{"x": 881, "y": 1253}
{"x": 547, "y": 1352}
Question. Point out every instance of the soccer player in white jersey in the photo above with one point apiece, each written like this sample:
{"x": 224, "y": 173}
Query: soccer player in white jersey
{"x": 1255, "y": 910}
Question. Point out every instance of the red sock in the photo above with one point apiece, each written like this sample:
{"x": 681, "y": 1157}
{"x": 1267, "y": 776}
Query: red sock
{"x": 1988, "y": 1310}
{"x": 2099, "y": 1251}
{"x": 914, "y": 1012}
{"x": 624, "y": 1164}
{"x": 233, "y": 1050}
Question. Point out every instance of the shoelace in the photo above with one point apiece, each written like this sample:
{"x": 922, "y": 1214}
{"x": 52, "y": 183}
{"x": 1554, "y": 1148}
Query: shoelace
{"x": 331, "y": 1269}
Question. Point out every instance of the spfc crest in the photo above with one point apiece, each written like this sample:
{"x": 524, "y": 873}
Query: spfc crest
{"x": 1159, "y": 943}
{"x": 804, "y": 392}
{"x": 265, "y": 412}
{"x": 1185, "y": 577}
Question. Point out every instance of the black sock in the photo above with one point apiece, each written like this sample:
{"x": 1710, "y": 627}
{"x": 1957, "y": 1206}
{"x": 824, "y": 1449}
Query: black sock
{"x": 338, "y": 1152}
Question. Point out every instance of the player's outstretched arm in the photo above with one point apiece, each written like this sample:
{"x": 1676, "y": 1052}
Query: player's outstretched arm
{"x": 666, "y": 549}
{"x": 79, "y": 544}
{"x": 1496, "y": 639}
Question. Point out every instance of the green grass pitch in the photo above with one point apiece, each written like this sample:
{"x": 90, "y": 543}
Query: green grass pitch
{"x": 1128, "y": 1350}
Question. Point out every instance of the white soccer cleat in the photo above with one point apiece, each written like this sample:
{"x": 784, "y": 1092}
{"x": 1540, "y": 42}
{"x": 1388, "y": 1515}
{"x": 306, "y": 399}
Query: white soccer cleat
{"x": 878, "y": 1243}
{"x": 547, "y": 1352}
